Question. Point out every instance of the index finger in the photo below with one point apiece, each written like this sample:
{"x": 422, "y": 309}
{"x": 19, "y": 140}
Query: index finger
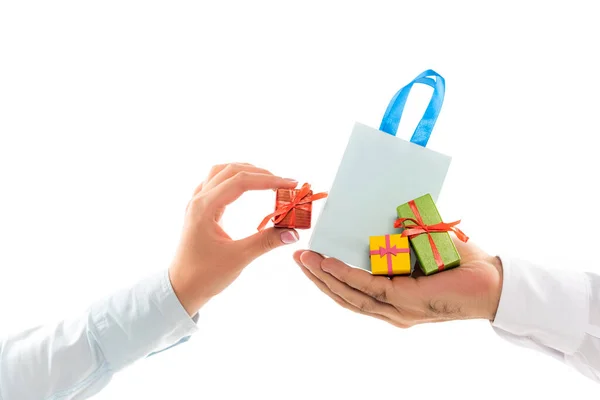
{"x": 232, "y": 188}
{"x": 232, "y": 170}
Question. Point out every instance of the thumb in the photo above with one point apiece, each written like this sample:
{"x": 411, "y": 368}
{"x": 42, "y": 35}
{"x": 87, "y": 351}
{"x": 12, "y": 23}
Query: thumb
{"x": 266, "y": 240}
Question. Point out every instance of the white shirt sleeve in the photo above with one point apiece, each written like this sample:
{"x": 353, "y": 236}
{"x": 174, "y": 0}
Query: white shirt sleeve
{"x": 553, "y": 311}
{"x": 76, "y": 358}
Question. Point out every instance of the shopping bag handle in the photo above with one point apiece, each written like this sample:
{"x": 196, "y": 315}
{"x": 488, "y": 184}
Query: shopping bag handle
{"x": 391, "y": 118}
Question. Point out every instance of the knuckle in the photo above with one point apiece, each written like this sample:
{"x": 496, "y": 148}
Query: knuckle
{"x": 199, "y": 202}
{"x": 365, "y": 289}
{"x": 241, "y": 178}
{"x": 380, "y": 295}
{"x": 216, "y": 168}
{"x": 231, "y": 169}
{"x": 242, "y": 175}
{"x": 365, "y": 306}
{"x": 267, "y": 241}
{"x": 239, "y": 166}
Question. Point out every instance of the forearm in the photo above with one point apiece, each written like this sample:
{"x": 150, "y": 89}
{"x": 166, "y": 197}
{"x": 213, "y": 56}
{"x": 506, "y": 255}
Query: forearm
{"x": 553, "y": 311}
{"x": 76, "y": 358}
{"x": 51, "y": 361}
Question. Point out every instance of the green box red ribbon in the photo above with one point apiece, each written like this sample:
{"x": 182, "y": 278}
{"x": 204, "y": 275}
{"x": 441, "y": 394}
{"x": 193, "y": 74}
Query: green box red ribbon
{"x": 429, "y": 235}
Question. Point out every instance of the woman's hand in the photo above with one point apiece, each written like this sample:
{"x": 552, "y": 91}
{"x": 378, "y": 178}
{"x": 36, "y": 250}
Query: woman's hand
{"x": 469, "y": 291}
{"x": 208, "y": 260}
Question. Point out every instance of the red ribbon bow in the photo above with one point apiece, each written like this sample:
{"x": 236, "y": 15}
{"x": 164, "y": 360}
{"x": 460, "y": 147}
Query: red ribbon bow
{"x": 387, "y": 251}
{"x": 420, "y": 228}
{"x": 299, "y": 200}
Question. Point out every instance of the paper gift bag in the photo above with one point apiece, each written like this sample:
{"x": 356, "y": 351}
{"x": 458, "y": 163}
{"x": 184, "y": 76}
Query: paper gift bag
{"x": 377, "y": 172}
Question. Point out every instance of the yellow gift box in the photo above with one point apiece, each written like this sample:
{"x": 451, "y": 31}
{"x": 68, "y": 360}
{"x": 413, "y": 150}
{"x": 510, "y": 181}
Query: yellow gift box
{"x": 390, "y": 255}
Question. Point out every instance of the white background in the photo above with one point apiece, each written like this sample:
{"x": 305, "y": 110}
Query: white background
{"x": 112, "y": 112}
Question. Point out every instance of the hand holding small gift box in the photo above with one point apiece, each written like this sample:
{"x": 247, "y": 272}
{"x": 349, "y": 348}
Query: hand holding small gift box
{"x": 293, "y": 208}
{"x": 428, "y": 235}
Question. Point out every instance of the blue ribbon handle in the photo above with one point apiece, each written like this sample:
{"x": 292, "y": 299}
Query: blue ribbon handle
{"x": 393, "y": 114}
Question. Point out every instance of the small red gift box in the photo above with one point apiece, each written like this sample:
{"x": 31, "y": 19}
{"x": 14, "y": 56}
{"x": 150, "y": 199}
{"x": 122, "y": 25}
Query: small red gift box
{"x": 293, "y": 208}
{"x": 299, "y": 216}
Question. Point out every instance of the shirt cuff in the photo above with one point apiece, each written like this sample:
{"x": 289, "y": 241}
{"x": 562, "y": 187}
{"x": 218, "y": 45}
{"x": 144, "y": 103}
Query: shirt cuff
{"x": 550, "y": 307}
{"x": 135, "y": 322}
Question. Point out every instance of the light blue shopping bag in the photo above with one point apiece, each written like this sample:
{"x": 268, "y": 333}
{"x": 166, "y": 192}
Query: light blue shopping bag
{"x": 377, "y": 173}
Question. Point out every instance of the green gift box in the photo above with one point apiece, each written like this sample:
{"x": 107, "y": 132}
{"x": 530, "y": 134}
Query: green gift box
{"x": 423, "y": 225}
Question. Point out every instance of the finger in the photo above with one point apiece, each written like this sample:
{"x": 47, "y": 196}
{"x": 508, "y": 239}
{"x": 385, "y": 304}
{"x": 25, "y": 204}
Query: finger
{"x": 323, "y": 288}
{"x": 198, "y": 189}
{"x": 407, "y": 291}
{"x": 360, "y": 300}
{"x": 211, "y": 174}
{"x": 264, "y": 241}
{"x": 231, "y": 170}
{"x": 214, "y": 171}
{"x": 378, "y": 287}
{"x": 242, "y": 182}
{"x": 220, "y": 167}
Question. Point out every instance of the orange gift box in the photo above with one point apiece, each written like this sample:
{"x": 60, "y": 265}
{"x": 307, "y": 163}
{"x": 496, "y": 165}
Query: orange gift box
{"x": 293, "y": 208}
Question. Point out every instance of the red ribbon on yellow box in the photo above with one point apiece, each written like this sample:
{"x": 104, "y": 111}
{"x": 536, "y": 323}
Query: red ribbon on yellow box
{"x": 420, "y": 228}
{"x": 299, "y": 201}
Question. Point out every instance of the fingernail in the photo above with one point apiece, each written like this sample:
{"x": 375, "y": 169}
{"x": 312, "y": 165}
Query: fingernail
{"x": 325, "y": 268}
{"x": 290, "y": 180}
{"x": 288, "y": 237}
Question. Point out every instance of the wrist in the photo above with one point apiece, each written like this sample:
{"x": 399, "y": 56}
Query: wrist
{"x": 482, "y": 296}
{"x": 185, "y": 290}
{"x": 495, "y": 291}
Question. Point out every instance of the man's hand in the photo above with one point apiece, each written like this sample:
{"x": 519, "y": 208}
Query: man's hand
{"x": 208, "y": 260}
{"x": 469, "y": 291}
